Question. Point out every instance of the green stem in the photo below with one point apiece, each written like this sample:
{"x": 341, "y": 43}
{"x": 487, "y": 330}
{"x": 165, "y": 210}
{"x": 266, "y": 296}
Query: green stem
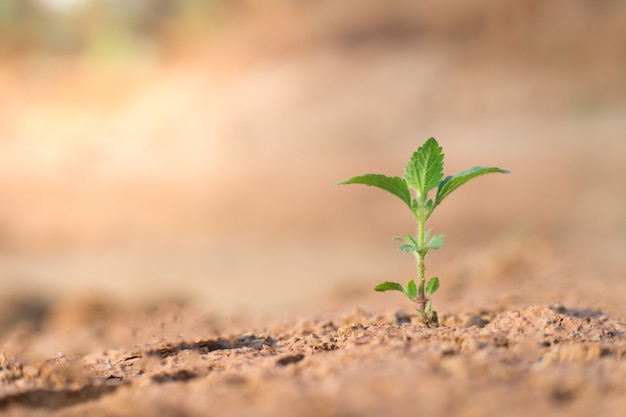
{"x": 421, "y": 295}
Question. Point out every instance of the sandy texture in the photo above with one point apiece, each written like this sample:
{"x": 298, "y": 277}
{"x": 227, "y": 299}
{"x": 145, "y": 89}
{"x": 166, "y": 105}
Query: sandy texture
{"x": 538, "y": 360}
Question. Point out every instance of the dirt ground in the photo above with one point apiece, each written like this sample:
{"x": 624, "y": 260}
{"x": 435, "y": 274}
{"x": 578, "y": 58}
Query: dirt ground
{"x": 550, "y": 360}
{"x": 171, "y": 244}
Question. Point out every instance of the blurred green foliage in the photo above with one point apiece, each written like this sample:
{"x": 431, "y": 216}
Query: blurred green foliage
{"x": 107, "y": 28}
{"x": 575, "y": 32}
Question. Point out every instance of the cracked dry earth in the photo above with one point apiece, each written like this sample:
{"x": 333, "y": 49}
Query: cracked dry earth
{"x": 548, "y": 360}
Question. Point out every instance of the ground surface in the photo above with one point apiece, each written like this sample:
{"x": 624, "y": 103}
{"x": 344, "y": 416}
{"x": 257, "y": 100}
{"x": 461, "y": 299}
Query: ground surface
{"x": 170, "y": 243}
{"x": 175, "y": 361}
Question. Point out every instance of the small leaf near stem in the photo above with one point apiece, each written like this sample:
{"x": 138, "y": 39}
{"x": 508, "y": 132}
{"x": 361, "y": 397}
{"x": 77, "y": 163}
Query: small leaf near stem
{"x": 432, "y": 286}
{"x": 435, "y": 242}
{"x": 389, "y": 286}
{"x": 407, "y": 248}
{"x": 411, "y": 290}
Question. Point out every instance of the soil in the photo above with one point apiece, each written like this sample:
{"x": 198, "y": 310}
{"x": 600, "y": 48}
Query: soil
{"x": 173, "y": 360}
{"x": 170, "y": 243}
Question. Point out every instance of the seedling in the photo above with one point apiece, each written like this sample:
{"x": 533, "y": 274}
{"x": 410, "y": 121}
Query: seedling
{"x": 422, "y": 174}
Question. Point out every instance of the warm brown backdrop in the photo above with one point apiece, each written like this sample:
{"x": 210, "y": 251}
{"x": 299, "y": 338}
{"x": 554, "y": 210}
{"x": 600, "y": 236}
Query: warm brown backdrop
{"x": 190, "y": 153}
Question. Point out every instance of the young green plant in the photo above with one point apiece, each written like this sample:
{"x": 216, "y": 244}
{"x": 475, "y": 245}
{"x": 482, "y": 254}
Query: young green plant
{"x": 422, "y": 174}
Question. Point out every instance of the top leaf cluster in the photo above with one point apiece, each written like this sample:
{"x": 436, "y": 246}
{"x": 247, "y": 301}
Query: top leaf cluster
{"x": 423, "y": 173}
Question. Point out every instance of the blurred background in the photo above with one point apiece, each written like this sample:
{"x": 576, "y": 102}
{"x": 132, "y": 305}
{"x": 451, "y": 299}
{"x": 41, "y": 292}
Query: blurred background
{"x": 186, "y": 149}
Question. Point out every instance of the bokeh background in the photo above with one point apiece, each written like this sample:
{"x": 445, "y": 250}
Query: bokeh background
{"x": 161, "y": 149}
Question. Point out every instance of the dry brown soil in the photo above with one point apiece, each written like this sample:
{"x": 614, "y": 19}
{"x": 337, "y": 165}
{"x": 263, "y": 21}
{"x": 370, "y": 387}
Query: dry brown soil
{"x": 173, "y": 360}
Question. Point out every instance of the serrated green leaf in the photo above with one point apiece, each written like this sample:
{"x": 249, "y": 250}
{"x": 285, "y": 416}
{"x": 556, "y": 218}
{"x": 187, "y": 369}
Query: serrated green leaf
{"x": 408, "y": 248}
{"x": 451, "y": 183}
{"x": 410, "y": 239}
{"x": 389, "y": 286}
{"x": 411, "y": 289}
{"x": 431, "y": 286}
{"x": 425, "y": 168}
{"x": 410, "y": 244}
{"x": 435, "y": 242}
{"x": 395, "y": 185}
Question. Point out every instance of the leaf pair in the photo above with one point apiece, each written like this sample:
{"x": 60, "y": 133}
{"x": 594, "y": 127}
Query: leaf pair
{"x": 411, "y": 243}
{"x": 411, "y": 289}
